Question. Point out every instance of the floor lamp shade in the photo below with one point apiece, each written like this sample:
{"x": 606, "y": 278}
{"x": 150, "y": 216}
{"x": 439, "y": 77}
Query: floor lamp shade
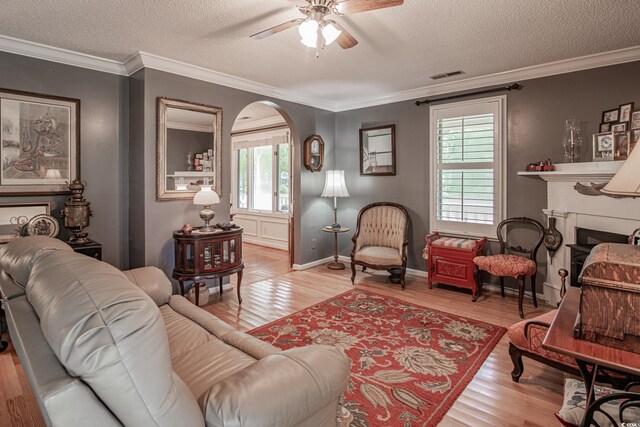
{"x": 334, "y": 185}
{"x": 627, "y": 181}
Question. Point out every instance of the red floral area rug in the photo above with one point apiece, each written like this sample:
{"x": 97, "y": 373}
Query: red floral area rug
{"x": 408, "y": 363}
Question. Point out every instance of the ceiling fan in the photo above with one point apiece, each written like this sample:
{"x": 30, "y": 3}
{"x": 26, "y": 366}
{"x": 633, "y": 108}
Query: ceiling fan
{"x": 317, "y": 31}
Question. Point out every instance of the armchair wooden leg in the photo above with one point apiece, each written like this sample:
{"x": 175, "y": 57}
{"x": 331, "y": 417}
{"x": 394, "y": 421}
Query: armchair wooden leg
{"x": 533, "y": 291}
{"x": 521, "y": 286}
{"x": 502, "y": 286}
{"x": 477, "y": 277}
{"x": 403, "y": 271}
{"x": 516, "y": 358}
{"x": 353, "y": 273}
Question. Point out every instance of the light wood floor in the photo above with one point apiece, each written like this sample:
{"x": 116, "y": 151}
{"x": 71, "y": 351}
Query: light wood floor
{"x": 270, "y": 290}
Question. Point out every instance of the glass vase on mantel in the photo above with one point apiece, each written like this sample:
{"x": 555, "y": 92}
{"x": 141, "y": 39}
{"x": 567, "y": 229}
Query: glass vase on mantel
{"x": 573, "y": 139}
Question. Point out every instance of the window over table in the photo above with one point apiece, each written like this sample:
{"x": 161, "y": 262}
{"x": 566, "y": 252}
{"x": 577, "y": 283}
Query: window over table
{"x": 261, "y": 171}
{"x": 467, "y": 141}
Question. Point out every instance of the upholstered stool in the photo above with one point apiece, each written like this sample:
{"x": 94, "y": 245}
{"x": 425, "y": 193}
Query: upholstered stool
{"x": 450, "y": 261}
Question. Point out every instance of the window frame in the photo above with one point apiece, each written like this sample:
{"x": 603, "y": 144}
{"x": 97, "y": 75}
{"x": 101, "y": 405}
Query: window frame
{"x": 466, "y": 229}
{"x": 245, "y": 141}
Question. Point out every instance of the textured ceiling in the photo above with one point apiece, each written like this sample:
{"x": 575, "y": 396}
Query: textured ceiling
{"x": 399, "y": 47}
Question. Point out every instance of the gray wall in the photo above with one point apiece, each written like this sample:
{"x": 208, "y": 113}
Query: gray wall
{"x": 104, "y": 139}
{"x": 154, "y": 222}
{"x": 535, "y": 120}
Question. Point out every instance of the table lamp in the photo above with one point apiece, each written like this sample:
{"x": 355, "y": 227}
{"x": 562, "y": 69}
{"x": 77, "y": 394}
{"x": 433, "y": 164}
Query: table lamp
{"x": 626, "y": 182}
{"x": 206, "y": 197}
{"x": 335, "y": 187}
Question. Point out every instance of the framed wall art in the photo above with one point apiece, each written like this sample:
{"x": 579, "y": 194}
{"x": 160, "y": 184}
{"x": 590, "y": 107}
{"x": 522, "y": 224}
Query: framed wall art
{"x": 15, "y": 215}
{"x": 621, "y": 145}
{"x": 635, "y": 120}
{"x": 619, "y": 127}
{"x": 40, "y": 147}
{"x": 625, "y": 112}
{"x": 610, "y": 116}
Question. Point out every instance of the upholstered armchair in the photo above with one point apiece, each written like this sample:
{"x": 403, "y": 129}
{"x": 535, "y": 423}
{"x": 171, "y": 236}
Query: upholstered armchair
{"x": 380, "y": 241}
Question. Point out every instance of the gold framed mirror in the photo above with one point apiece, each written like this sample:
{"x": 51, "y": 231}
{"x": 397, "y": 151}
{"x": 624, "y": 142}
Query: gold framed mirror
{"x": 189, "y": 149}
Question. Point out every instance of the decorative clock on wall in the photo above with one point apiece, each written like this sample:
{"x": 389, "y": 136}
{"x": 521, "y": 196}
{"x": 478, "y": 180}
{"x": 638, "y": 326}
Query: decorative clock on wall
{"x": 314, "y": 153}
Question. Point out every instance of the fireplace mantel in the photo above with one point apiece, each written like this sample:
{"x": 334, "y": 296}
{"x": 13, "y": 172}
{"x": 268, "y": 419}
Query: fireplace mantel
{"x": 596, "y": 172}
{"x": 574, "y": 210}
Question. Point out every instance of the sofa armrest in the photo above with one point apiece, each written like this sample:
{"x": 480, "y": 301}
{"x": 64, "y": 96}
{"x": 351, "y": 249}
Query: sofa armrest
{"x": 283, "y": 389}
{"x": 153, "y": 282}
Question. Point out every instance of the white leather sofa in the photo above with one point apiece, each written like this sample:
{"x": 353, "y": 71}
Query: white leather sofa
{"x": 103, "y": 347}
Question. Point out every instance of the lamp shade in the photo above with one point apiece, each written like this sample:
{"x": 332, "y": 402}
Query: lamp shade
{"x": 330, "y": 33}
{"x": 206, "y": 196}
{"x": 334, "y": 185}
{"x": 627, "y": 181}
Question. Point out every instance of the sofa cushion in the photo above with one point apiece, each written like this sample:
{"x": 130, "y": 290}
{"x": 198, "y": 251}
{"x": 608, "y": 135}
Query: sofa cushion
{"x": 184, "y": 335}
{"x": 153, "y": 282}
{"x": 111, "y": 335}
{"x": 17, "y": 254}
{"x": 380, "y": 255}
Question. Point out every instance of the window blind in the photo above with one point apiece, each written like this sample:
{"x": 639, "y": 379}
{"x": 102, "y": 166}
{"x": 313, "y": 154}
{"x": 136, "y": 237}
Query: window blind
{"x": 467, "y": 166}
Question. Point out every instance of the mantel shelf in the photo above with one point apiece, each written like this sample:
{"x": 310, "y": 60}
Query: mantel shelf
{"x": 579, "y": 172}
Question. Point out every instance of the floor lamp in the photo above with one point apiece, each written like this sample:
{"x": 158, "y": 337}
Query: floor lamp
{"x": 334, "y": 186}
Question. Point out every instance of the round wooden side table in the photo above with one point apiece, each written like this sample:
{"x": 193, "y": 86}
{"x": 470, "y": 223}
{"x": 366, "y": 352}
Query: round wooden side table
{"x": 335, "y": 264}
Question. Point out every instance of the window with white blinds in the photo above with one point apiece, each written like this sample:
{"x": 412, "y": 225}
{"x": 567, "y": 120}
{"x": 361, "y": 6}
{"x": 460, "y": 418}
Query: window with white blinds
{"x": 467, "y": 157}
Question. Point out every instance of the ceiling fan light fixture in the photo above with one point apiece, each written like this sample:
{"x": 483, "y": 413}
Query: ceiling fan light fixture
{"x": 330, "y": 33}
{"x": 311, "y": 41}
{"x": 308, "y": 29}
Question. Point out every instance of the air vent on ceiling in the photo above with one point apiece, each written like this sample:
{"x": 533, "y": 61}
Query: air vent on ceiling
{"x": 445, "y": 75}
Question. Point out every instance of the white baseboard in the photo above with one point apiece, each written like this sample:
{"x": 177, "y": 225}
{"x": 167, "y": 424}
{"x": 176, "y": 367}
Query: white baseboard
{"x": 347, "y": 261}
{"x": 312, "y": 263}
{"x": 283, "y": 246}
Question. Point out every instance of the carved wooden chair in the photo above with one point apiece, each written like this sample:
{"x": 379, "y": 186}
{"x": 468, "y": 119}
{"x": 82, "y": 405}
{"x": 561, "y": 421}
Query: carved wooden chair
{"x": 381, "y": 239}
{"x": 517, "y": 266}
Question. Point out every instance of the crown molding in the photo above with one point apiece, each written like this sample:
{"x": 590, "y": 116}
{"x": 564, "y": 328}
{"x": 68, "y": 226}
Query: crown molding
{"x": 156, "y": 62}
{"x": 142, "y": 60}
{"x": 191, "y": 127}
{"x": 62, "y": 56}
{"x": 527, "y": 73}
{"x": 242, "y": 126}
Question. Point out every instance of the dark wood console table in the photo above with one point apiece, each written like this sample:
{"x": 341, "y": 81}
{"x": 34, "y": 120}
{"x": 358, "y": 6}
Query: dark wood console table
{"x": 213, "y": 255}
{"x": 590, "y": 356}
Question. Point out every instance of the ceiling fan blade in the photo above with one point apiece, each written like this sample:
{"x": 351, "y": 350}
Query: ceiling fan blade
{"x": 345, "y": 39}
{"x": 271, "y": 31}
{"x": 356, "y": 6}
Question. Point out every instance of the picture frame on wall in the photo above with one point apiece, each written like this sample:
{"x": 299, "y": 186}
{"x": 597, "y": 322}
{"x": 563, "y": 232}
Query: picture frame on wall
{"x": 621, "y": 145}
{"x": 635, "y": 120}
{"x": 605, "y": 127}
{"x": 619, "y": 127}
{"x": 610, "y": 116}
{"x": 625, "y": 112}
{"x": 14, "y": 215}
{"x": 634, "y": 139}
{"x": 603, "y": 146}
{"x": 40, "y": 147}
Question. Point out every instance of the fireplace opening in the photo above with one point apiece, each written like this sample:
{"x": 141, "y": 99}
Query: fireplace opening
{"x": 586, "y": 240}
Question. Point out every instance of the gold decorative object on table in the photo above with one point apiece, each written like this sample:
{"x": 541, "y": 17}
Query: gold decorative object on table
{"x": 76, "y": 213}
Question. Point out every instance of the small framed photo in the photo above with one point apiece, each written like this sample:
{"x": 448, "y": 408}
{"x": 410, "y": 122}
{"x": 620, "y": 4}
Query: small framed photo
{"x": 210, "y": 152}
{"x": 605, "y": 127}
{"x": 635, "y": 138}
{"x": 625, "y": 112}
{"x": 619, "y": 127}
{"x": 198, "y": 168}
{"x": 198, "y": 155}
{"x": 610, "y": 116}
{"x": 635, "y": 120}
{"x": 603, "y": 146}
{"x": 621, "y": 145}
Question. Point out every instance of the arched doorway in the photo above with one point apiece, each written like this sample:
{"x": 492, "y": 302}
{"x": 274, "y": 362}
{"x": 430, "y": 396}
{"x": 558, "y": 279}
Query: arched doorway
{"x": 262, "y": 172}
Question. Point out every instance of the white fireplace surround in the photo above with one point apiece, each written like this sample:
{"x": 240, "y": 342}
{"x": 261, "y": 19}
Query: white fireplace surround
{"x": 573, "y": 210}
